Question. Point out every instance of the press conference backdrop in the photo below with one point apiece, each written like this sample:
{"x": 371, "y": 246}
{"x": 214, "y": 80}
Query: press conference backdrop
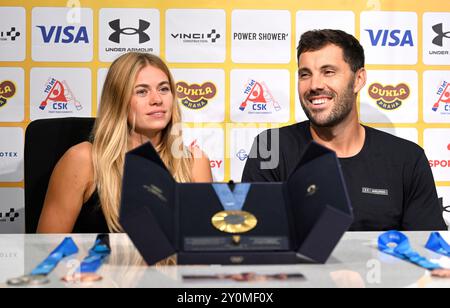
{"x": 235, "y": 65}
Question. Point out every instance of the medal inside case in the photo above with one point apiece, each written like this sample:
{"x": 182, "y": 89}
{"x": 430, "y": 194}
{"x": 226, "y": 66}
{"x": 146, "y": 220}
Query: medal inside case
{"x": 301, "y": 220}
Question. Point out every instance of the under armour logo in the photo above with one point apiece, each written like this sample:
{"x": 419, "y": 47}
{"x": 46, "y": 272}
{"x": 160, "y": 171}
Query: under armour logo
{"x": 118, "y": 31}
{"x": 439, "y": 30}
{"x": 13, "y": 34}
{"x": 12, "y": 215}
{"x": 214, "y": 36}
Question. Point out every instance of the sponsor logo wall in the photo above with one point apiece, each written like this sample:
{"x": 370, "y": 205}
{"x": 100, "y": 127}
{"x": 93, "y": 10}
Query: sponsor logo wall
{"x": 235, "y": 69}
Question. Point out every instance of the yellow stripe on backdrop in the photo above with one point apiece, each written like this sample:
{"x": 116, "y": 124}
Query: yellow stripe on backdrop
{"x": 293, "y": 6}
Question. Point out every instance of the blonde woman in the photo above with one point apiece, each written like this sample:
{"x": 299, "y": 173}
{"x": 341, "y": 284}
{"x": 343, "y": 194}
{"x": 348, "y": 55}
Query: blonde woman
{"x": 138, "y": 105}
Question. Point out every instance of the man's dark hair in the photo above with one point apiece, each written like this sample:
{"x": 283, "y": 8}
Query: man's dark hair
{"x": 317, "y": 39}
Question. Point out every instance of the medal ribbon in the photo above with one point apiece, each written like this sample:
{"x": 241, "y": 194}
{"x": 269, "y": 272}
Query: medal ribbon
{"x": 232, "y": 201}
{"x": 396, "y": 244}
{"x": 437, "y": 244}
{"x": 65, "y": 249}
{"x": 97, "y": 255}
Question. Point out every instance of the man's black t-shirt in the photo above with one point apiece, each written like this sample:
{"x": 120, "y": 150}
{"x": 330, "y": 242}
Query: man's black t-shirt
{"x": 390, "y": 182}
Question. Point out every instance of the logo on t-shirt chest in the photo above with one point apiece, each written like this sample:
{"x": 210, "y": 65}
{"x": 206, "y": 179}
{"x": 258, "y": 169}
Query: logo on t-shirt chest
{"x": 375, "y": 191}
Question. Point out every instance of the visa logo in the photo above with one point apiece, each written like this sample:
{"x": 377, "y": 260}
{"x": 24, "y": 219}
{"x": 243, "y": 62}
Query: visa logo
{"x": 65, "y": 35}
{"x": 392, "y": 38}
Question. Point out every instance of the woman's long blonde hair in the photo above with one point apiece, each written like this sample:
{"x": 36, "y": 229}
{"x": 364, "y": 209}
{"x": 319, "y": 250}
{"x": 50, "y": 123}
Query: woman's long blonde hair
{"x": 112, "y": 130}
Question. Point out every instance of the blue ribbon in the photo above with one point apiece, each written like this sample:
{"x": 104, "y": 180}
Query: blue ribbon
{"x": 97, "y": 255}
{"x": 65, "y": 249}
{"x": 232, "y": 201}
{"x": 437, "y": 244}
{"x": 396, "y": 244}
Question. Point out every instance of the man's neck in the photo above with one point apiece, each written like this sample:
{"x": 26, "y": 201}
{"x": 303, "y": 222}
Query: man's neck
{"x": 346, "y": 139}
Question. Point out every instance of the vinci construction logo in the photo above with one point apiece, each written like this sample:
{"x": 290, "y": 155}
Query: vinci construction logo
{"x": 59, "y": 97}
{"x": 10, "y": 216}
{"x": 196, "y": 38}
{"x": 9, "y": 35}
{"x": 389, "y": 97}
{"x": 443, "y": 103}
{"x": 7, "y": 91}
{"x": 258, "y": 99}
{"x": 194, "y": 96}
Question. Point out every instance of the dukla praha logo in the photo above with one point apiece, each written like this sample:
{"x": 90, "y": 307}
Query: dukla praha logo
{"x": 10, "y": 216}
{"x": 118, "y": 31}
{"x": 258, "y": 99}
{"x": 389, "y": 97}
{"x": 59, "y": 97}
{"x": 443, "y": 102}
{"x": 194, "y": 96}
{"x": 7, "y": 91}
{"x": 9, "y": 35}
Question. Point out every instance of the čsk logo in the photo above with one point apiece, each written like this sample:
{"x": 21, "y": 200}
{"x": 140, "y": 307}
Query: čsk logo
{"x": 259, "y": 98}
{"x": 444, "y": 98}
{"x": 59, "y": 96}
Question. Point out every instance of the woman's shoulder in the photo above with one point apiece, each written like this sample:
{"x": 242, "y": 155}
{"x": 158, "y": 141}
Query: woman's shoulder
{"x": 77, "y": 160}
{"x": 80, "y": 153}
{"x": 77, "y": 165}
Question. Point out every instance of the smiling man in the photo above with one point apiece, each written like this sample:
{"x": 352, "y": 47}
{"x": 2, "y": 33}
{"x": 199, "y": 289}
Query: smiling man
{"x": 389, "y": 180}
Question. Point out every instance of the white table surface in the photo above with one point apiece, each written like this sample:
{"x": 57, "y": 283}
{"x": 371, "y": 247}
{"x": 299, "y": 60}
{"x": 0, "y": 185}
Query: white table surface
{"x": 356, "y": 262}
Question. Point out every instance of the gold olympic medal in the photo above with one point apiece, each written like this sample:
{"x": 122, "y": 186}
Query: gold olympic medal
{"x": 234, "y": 221}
